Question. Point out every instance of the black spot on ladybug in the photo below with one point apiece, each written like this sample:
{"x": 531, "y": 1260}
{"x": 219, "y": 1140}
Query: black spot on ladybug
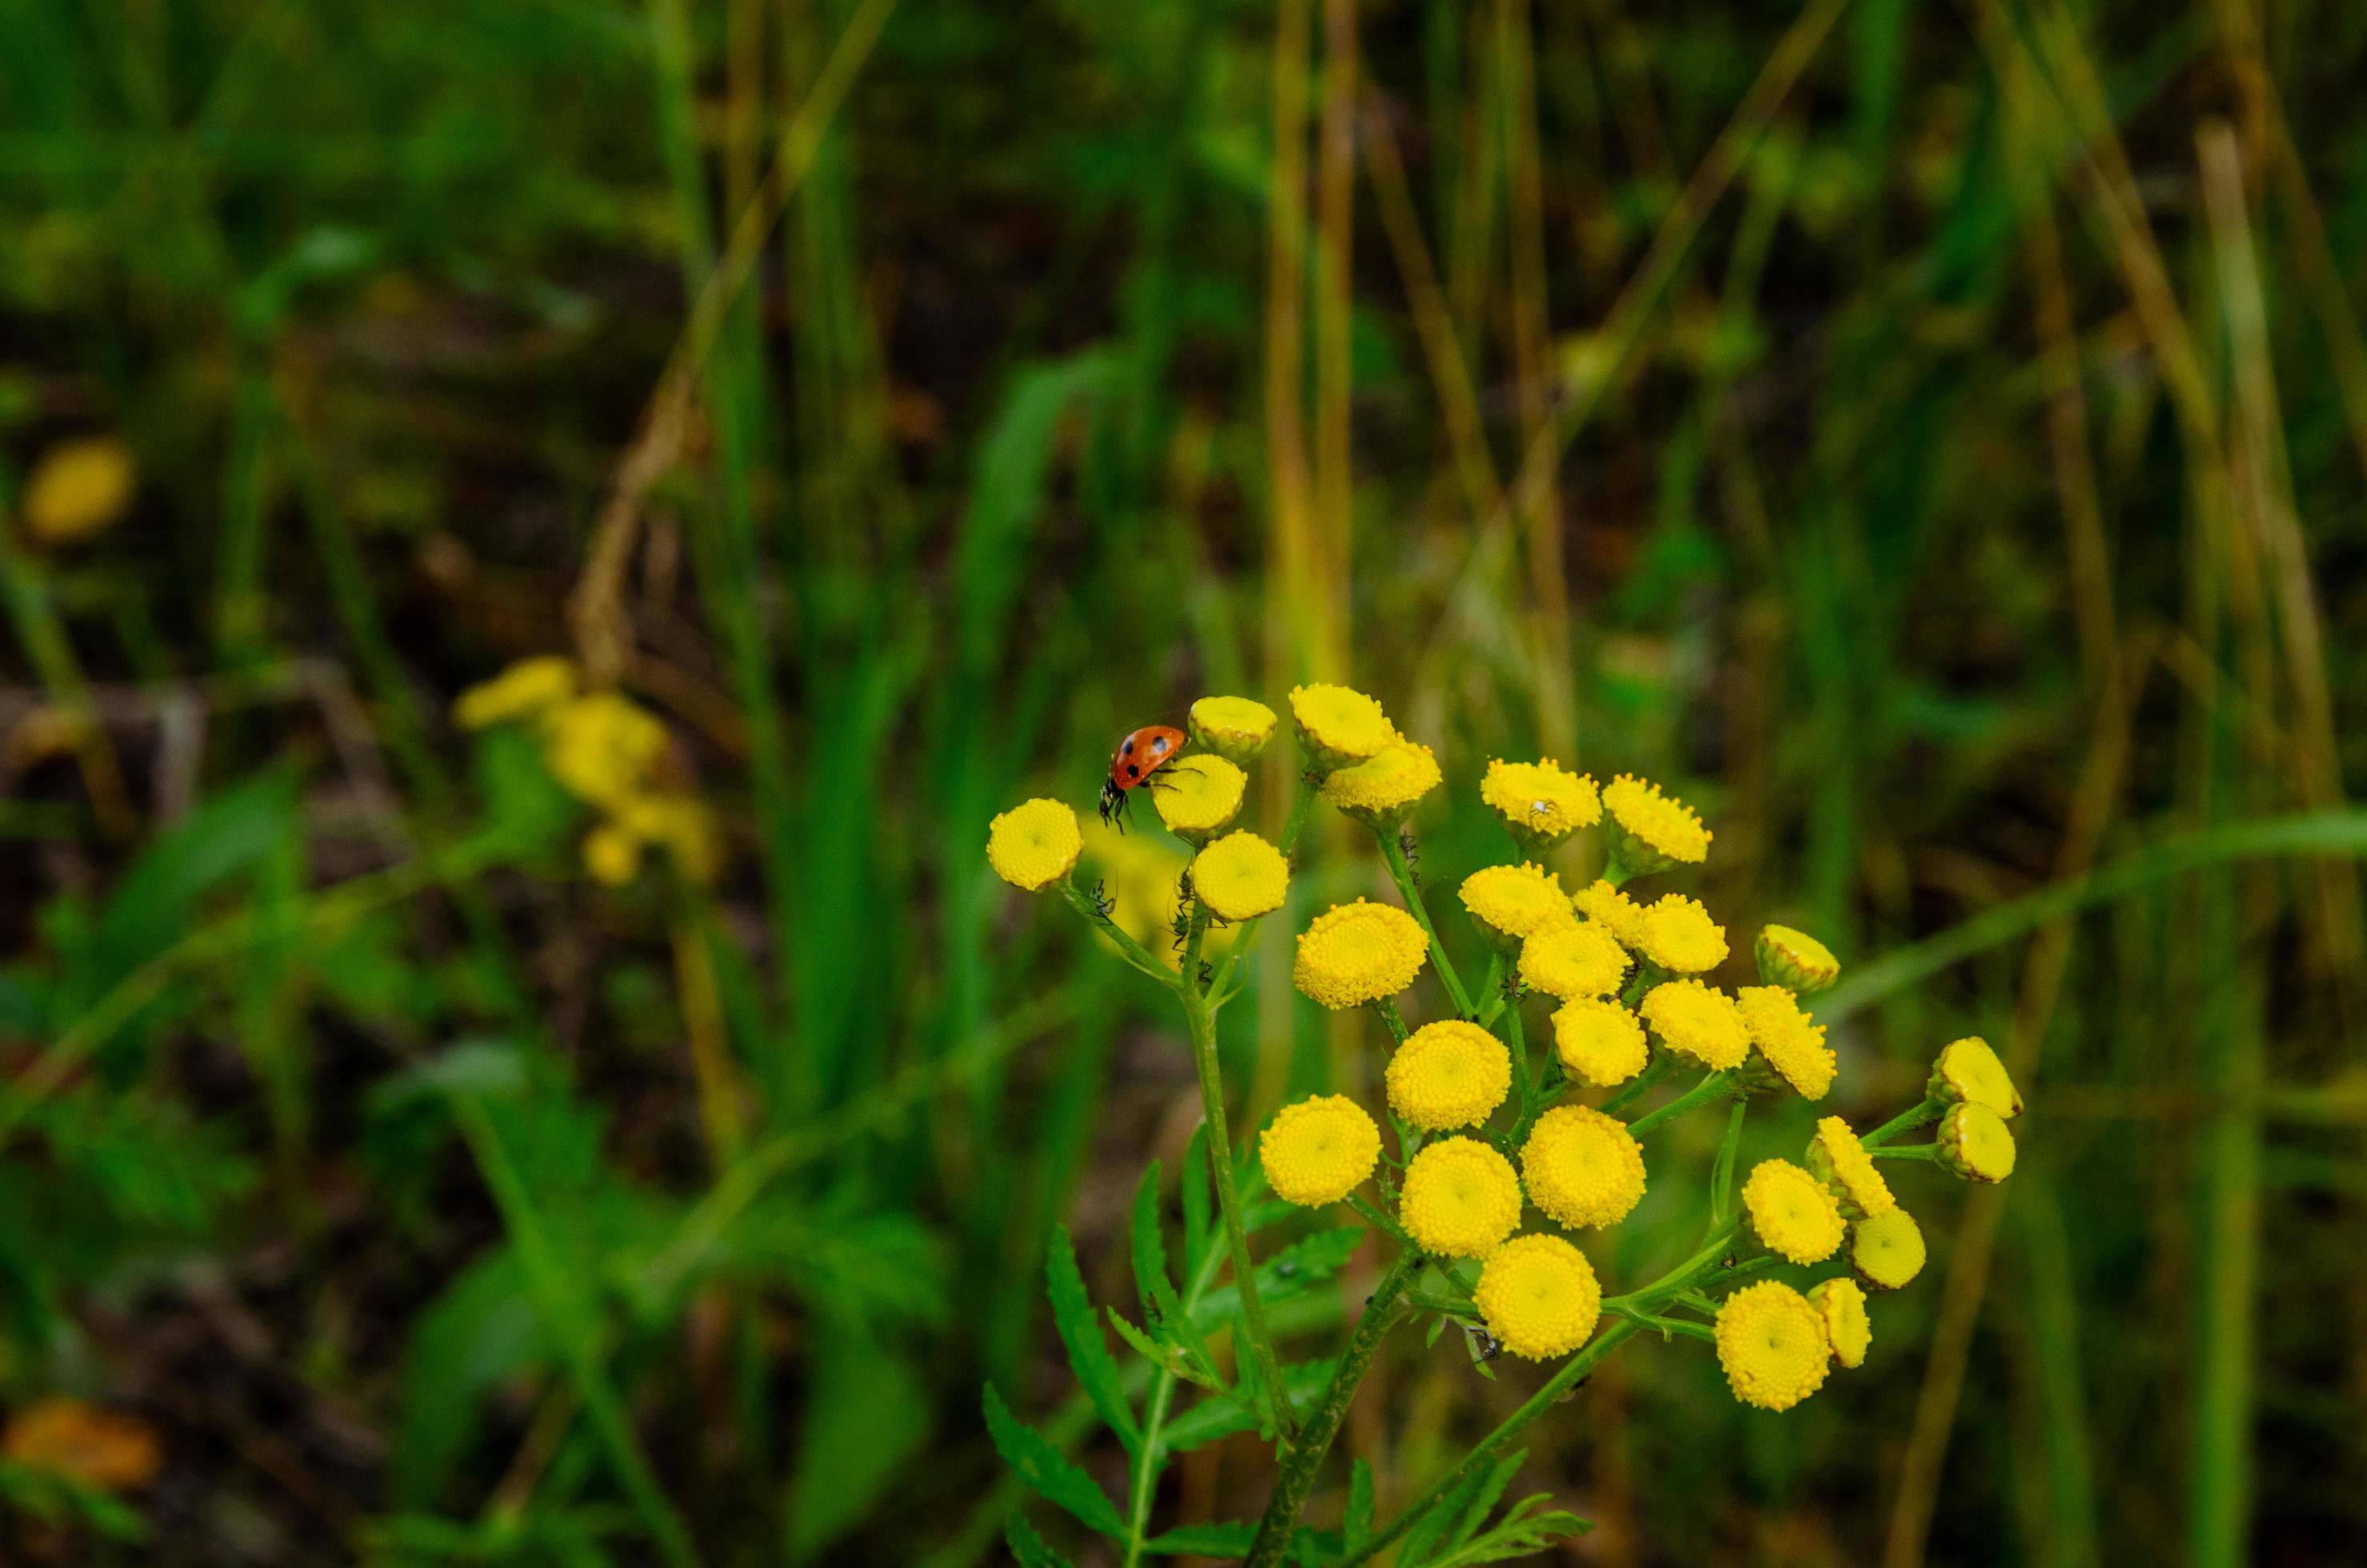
{"x": 1159, "y": 744}
{"x": 1132, "y": 771}
{"x": 1127, "y": 749}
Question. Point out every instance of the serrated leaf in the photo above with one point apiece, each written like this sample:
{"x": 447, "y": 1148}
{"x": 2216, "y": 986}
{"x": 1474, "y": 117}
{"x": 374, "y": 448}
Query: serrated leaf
{"x": 1088, "y": 1354}
{"x": 1197, "y": 1235}
{"x": 1037, "y": 1462}
{"x": 1223, "y": 1414}
{"x": 1160, "y": 1354}
{"x": 1230, "y": 1539}
{"x": 1522, "y": 1533}
{"x": 1149, "y": 1244}
{"x": 1483, "y": 1500}
{"x": 1304, "y": 1263}
{"x": 1028, "y": 1547}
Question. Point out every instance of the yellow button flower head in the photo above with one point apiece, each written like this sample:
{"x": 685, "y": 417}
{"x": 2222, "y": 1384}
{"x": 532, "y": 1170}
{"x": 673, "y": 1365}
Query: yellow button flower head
{"x": 1795, "y": 961}
{"x": 1699, "y": 1021}
{"x": 1613, "y": 911}
{"x": 1460, "y": 1198}
{"x": 1888, "y": 1250}
{"x": 1772, "y": 1342}
{"x": 1975, "y": 1143}
{"x": 1792, "y": 1045}
{"x": 1599, "y": 1041}
{"x": 1539, "y": 1297}
{"x": 612, "y": 853}
{"x": 1679, "y": 935}
{"x": 1449, "y": 1073}
{"x": 1381, "y": 790}
{"x": 78, "y": 490}
{"x": 1201, "y": 793}
{"x": 1235, "y": 728}
{"x": 1512, "y": 903}
{"x": 1319, "y": 1150}
{"x": 684, "y": 827}
{"x": 1840, "y": 1161}
{"x": 1540, "y": 804}
{"x": 1583, "y": 1167}
{"x": 527, "y": 688}
{"x": 1338, "y": 726}
{"x": 1847, "y": 1328}
{"x": 1791, "y": 1212}
{"x": 601, "y": 747}
{"x": 1240, "y": 877}
{"x": 1571, "y": 962}
{"x": 1649, "y": 831}
{"x": 1034, "y": 845}
{"x": 1359, "y": 952}
{"x": 1968, "y": 1072}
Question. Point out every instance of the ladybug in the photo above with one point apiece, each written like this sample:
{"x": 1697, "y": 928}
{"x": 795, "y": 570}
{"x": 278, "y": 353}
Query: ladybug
{"x": 1139, "y": 756}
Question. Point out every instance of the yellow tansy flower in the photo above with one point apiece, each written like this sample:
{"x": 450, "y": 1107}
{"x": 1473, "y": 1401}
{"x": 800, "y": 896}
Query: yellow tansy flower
{"x": 1197, "y": 795}
{"x": 1540, "y": 804}
{"x": 1571, "y": 962}
{"x": 1842, "y": 1306}
{"x": 1460, "y": 1198}
{"x": 1791, "y": 1212}
{"x": 1599, "y": 1041}
{"x": 1699, "y": 1021}
{"x": 1381, "y": 790}
{"x": 1235, "y": 728}
{"x": 1840, "y": 1161}
{"x": 1449, "y": 1073}
{"x": 1613, "y": 911}
{"x": 601, "y": 747}
{"x": 1888, "y": 1248}
{"x": 1340, "y": 726}
{"x": 1583, "y": 1167}
{"x": 1795, "y": 961}
{"x": 612, "y": 853}
{"x": 1678, "y": 934}
{"x": 1240, "y": 877}
{"x": 1319, "y": 1150}
{"x": 684, "y": 825}
{"x": 1034, "y": 845}
{"x": 1539, "y": 1297}
{"x": 1974, "y": 1142}
{"x": 1650, "y": 830}
{"x": 77, "y": 490}
{"x": 1773, "y": 1343}
{"x": 1359, "y": 952}
{"x": 527, "y": 688}
{"x": 1968, "y": 1072}
{"x": 1792, "y": 1045}
{"x": 1512, "y": 903}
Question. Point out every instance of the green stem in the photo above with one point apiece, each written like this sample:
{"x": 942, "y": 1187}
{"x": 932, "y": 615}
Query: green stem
{"x": 1713, "y": 1086}
{"x": 1721, "y": 1177}
{"x": 1228, "y": 1198}
{"x": 1664, "y": 1325}
{"x": 1660, "y": 1067}
{"x": 1132, "y": 951}
{"x": 1144, "y": 1486}
{"x": 1394, "y": 853}
{"x": 1499, "y": 996}
{"x": 1304, "y": 1457}
{"x": 1377, "y": 1219}
{"x": 1388, "y": 1008}
{"x": 1221, "y": 989}
{"x": 1449, "y": 1305}
{"x": 1923, "y": 1114}
{"x": 1923, "y": 1153}
{"x": 1517, "y": 1044}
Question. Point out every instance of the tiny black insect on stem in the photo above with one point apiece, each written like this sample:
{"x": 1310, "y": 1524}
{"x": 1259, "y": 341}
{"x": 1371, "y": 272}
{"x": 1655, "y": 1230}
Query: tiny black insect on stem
{"x": 1104, "y": 905}
{"x": 1412, "y": 853}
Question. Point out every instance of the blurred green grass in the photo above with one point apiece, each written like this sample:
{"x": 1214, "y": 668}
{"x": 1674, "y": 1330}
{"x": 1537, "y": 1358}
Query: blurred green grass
{"x": 1930, "y": 439}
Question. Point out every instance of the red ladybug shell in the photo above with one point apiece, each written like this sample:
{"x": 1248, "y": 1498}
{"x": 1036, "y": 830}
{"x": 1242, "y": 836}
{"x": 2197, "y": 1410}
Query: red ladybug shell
{"x": 1144, "y": 752}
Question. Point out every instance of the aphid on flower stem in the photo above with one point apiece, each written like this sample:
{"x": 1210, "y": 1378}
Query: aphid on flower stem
{"x": 1138, "y": 757}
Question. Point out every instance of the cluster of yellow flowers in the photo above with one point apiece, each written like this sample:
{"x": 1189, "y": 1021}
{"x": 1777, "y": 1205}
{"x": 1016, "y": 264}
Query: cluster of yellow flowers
{"x": 1635, "y": 998}
{"x": 606, "y": 750}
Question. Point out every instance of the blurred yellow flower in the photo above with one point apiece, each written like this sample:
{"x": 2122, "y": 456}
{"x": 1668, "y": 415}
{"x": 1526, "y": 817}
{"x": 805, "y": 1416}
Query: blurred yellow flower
{"x": 1791, "y": 1211}
{"x": 1449, "y": 1074}
{"x": 1034, "y": 845}
{"x": 1319, "y": 1150}
{"x": 1651, "y": 831}
{"x": 1460, "y": 1198}
{"x": 1379, "y": 790}
{"x": 1512, "y": 903}
{"x": 1574, "y": 960}
{"x": 683, "y": 826}
{"x": 1792, "y": 1045}
{"x": 1235, "y": 728}
{"x": 1771, "y": 1343}
{"x": 78, "y": 490}
{"x": 601, "y": 746}
{"x": 1240, "y": 877}
{"x": 1678, "y": 934}
{"x": 611, "y": 854}
{"x": 1197, "y": 795}
{"x": 1795, "y": 961}
{"x": 1842, "y": 1305}
{"x": 1583, "y": 1167}
{"x": 1541, "y": 804}
{"x": 1886, "y": 1249}
{"x": 526, "y": 690}
{"x": 1359, "y": 952}
{"x": 1599, "y": 1041}
{"x": 1539, "y": 1297}
{"x": 1698, "y": 1021}
{"x": 1840, "y": 1161}
{"x": 1340, "y": 726}
{"x": 80, "y": 1441}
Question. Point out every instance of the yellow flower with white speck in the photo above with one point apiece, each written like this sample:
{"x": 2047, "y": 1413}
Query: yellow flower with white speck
{"x": 1197, "y": 795}
{"x": 1540, "y": 804}
{"x": 1359, "y": 952}
{"x": 1699, "y": 1021}
{"x": 1338, "y": 726}
{"x": 1460, "y": 1198}
{"x": 1678, "y": 934}
{"x": 1574, "y": 960}
{"x": 1319, "y": 1150}
{"x": 1034, "y": 845}
{"x": 1382, "y": 789}
{"x": 1235, "y": 728}
{"x": 1791, "y": 1211}
{"x": 1650, "y": 830}
{"x": 1772, "y": 1342}
{"x": 1887, "y": 1250}
{"x": 1583, "y": 1167}
{"x": 1512, "y": 903}
{"x": 1448, "y": 1074}
{"x": 1539, "y": 1297}
{"x": 1840, "y": 1161}
{"x": 1795, "y": 961}
{"x": 1847, "y": 1328}
{"x": 1600, "y": 1042}
{"x": 1613, "y": 911}
{"x": 1791, "y": 1044}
